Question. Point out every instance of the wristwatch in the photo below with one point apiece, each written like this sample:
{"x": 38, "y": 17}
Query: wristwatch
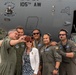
{"x": 57, "y": 69}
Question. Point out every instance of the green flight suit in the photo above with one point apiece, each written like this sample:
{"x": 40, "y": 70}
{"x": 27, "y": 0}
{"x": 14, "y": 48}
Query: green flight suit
{"x": 38, "y": 44}
{"x": 74, "y": 39}
{"x": 3, "y": 33}
{"x": 19, "y": 52}
{"x": 8, "y": 58}
{"x": 49, "y": 57}
{"x": 0, "y": 54}
{"x": 68, "y": 65}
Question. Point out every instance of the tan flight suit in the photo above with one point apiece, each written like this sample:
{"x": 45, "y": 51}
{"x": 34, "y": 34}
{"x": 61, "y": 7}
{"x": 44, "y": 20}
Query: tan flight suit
{"x": 8, "y": 58}
{"x": 49, "y": 57}
{"x": 19, "y": 52}
{"x": 68, "y": 65}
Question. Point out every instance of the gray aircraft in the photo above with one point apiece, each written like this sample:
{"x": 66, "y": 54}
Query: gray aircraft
{"x": 47, "y": 15}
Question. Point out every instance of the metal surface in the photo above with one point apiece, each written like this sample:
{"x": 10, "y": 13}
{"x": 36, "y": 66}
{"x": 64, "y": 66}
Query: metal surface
{"x": 47, "y": 15}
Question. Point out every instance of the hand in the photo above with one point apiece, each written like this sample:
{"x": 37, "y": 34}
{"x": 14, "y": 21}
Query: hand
{"x": 39, "y": 73}
{"x": 34, "y": 74}
{"x": 22, "y": 39}
{"x": 53, "y": 43}
{"x": 70, "y": 55}
{"x": 55, "y": 72}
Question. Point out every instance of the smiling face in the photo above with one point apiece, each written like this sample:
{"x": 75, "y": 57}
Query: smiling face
{"x": 29, "y": 44}
{"x": 20, "y": 32}
{"x": 62, "y": 35}
{"x": 13, "y": 35}
{"x": 46, "y": 39}
{"x": 36, "y": 34}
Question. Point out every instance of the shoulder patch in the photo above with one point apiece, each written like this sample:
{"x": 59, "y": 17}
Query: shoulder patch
{"x": 57, "y": 48}
{"x": 22, "y": 45}
{"x": 42, "y": 51}
{"x": 75, "y": 44}
{"x": 17, "y": 46}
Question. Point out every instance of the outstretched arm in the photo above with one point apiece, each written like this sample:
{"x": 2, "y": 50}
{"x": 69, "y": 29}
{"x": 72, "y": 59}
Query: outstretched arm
{"x": 14, "y": 42}
{"x": 1, "y": 42}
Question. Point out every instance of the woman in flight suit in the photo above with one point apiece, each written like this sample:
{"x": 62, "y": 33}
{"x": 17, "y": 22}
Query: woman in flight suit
{"x": 49, "y": 57}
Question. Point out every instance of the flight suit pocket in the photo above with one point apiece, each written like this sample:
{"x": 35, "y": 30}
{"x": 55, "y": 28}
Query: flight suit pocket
{"x": 50, "y": 59}
{"x": 74, "y": 60}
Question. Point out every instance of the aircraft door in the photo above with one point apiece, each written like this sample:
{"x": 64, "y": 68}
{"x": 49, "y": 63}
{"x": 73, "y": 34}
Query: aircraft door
{"x": 74, "y": 22}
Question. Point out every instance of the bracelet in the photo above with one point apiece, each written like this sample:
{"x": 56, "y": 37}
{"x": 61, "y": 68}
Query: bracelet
{"x": 57, "y": 69}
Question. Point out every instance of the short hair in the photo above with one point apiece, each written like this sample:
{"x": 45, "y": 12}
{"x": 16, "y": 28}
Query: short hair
{"x": 12, "y": 30}
{"x": 64, "y": 30}
{"x": 50, "y": 37}
{"x": 20, "y": 27}
{"x": 38, "y": 30}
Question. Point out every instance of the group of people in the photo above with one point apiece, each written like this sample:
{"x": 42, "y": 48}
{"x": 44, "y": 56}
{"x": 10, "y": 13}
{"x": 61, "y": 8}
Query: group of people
{"x": 37, "y": 55}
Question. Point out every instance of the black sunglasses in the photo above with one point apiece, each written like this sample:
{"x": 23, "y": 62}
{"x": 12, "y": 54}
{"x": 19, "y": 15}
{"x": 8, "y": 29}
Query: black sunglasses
{"x": 62, "y": 34}
{"x": 35, "y": 33}
{"x": 29, "y": 41}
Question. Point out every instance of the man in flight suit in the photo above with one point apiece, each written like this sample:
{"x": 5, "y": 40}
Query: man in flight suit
{"x": 36, "y": 33}
{"x": 38, "y": 42}
{"x": 68, "y": 52}
{"x": 8, "y": 52}
{"x": 19, "y": 51}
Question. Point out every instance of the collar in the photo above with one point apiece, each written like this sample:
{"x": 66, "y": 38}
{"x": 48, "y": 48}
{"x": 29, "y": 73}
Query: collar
{"x": 40, "y": 40}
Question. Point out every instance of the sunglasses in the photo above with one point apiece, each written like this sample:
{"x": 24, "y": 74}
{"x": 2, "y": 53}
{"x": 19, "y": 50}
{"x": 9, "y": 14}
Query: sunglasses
{"x": 62, "y": 34}
{"x": 35, "y": 33}
{"x": 29, "y": 41}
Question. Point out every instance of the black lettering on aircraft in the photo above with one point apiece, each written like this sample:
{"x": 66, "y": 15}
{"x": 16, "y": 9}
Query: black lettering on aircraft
{"x": 24, "y": 4}
{"x": 37, "y": 4}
